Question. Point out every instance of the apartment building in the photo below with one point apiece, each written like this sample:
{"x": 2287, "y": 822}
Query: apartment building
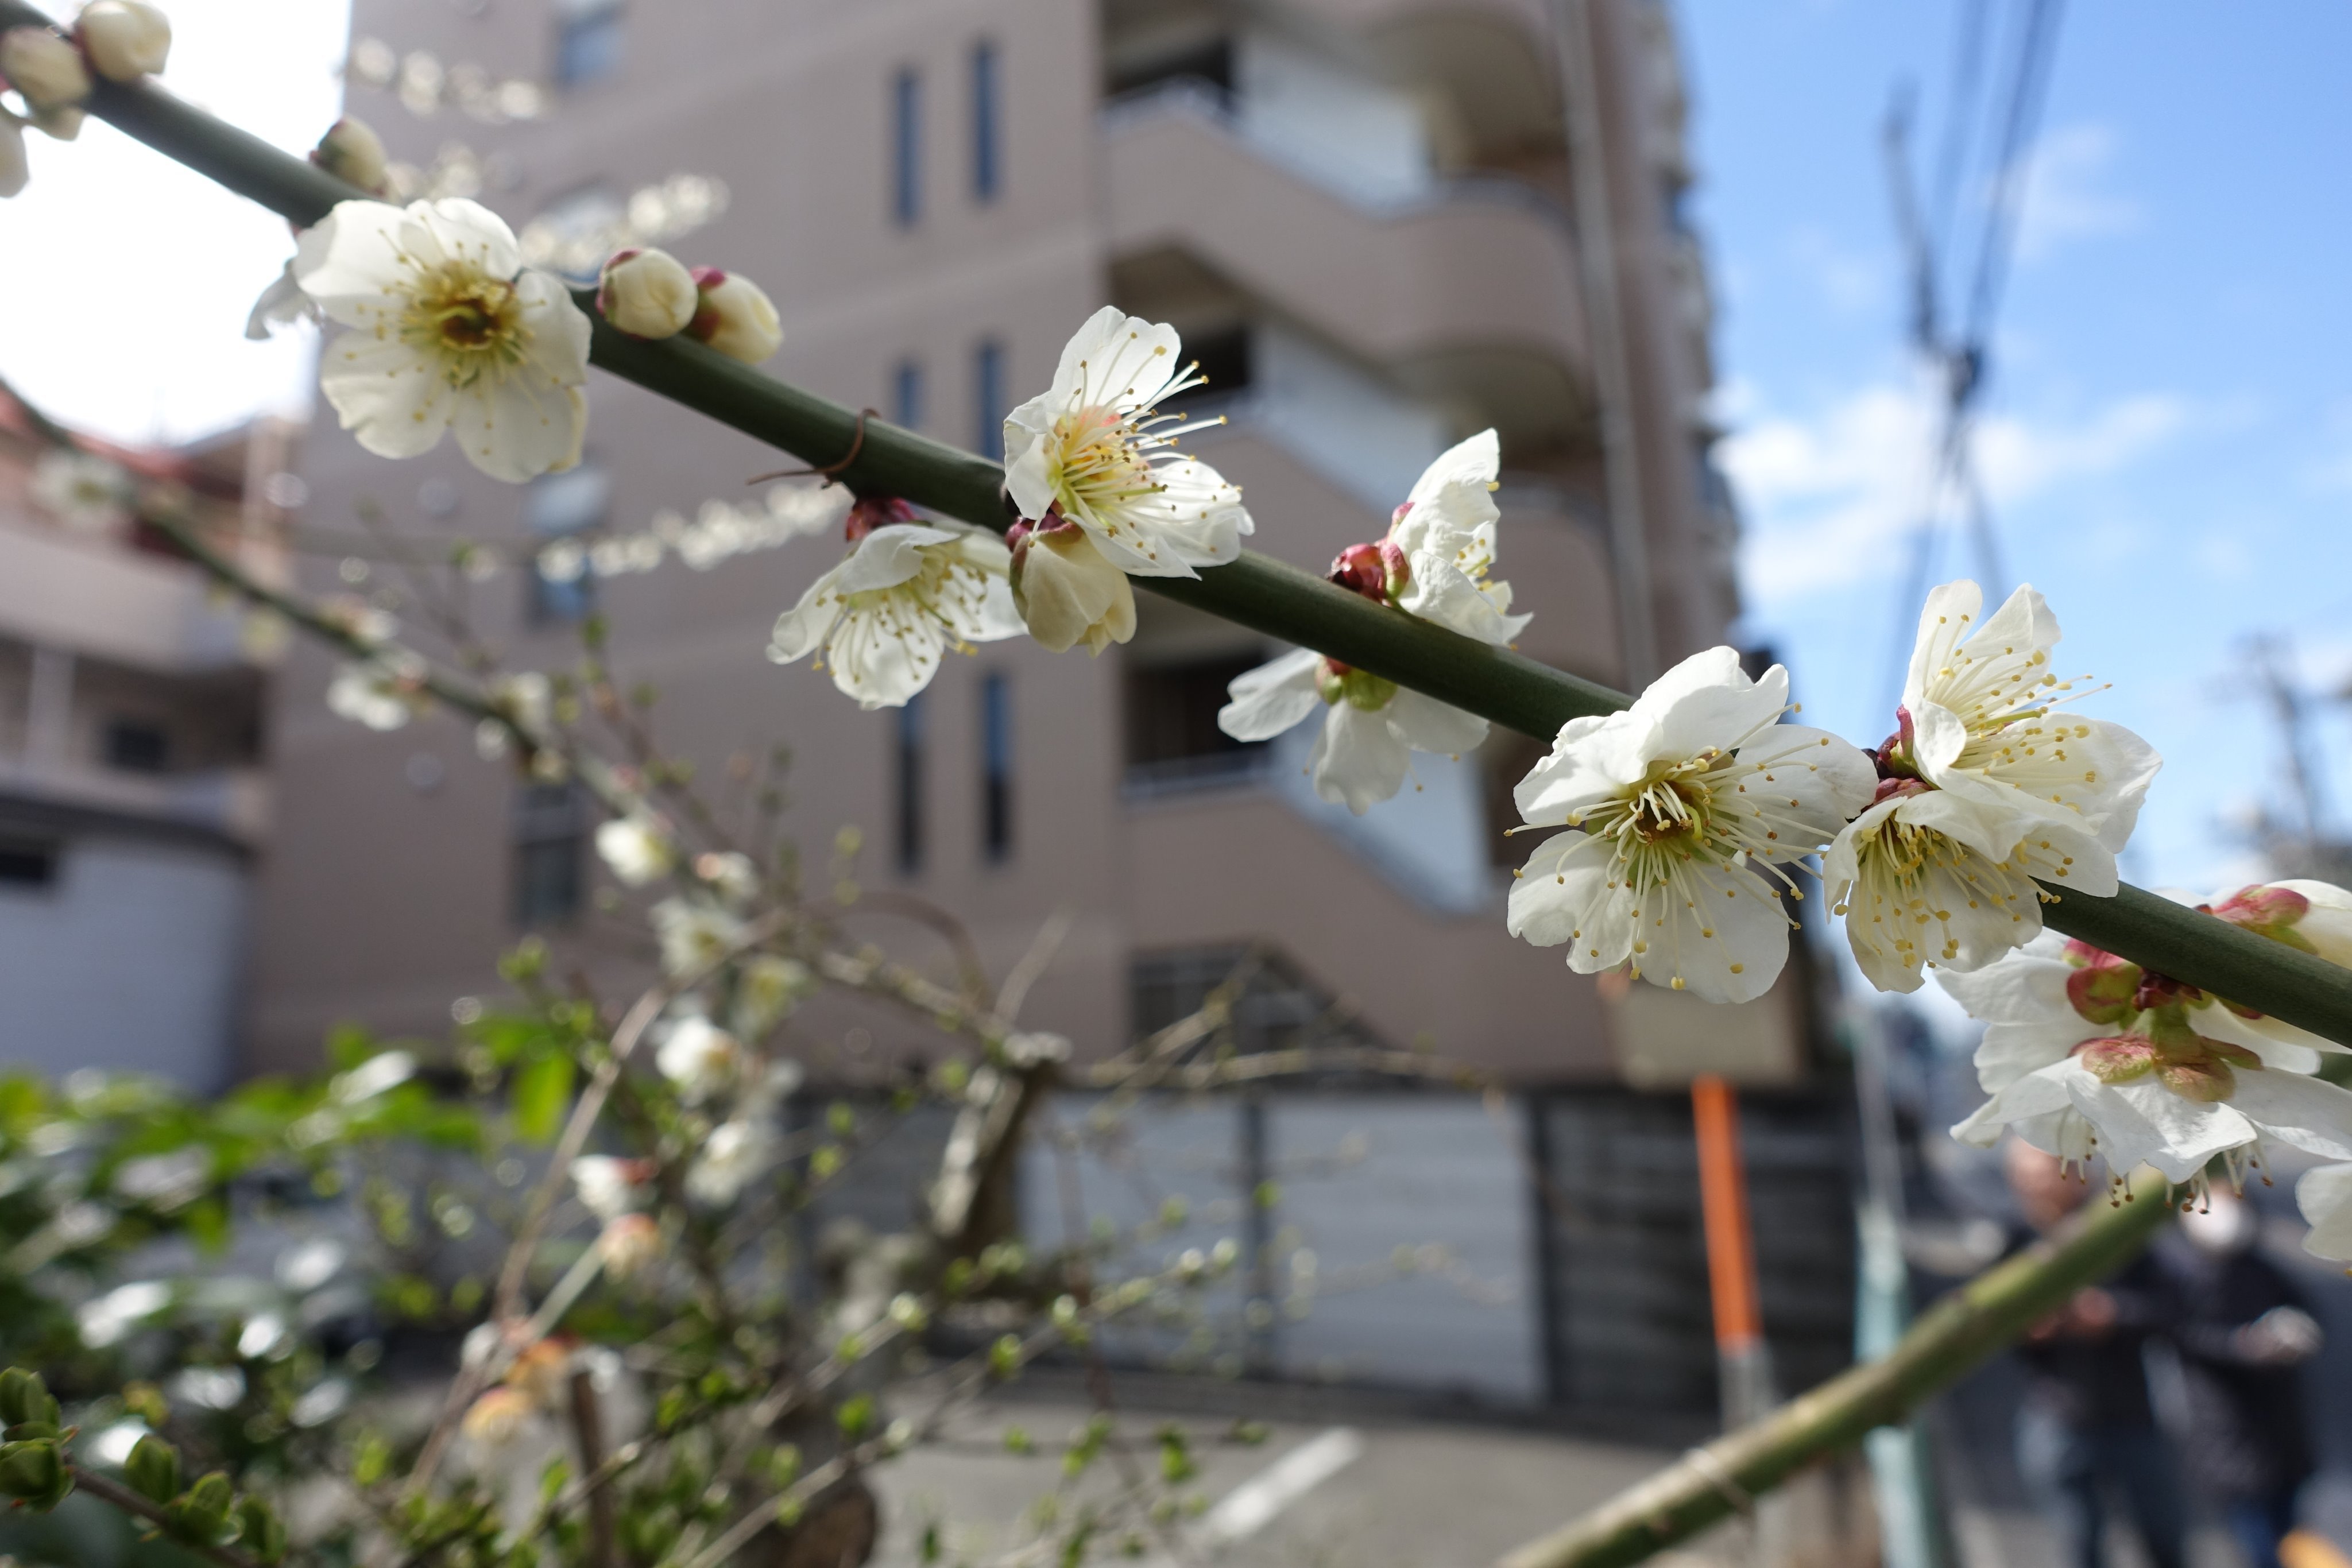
{"x": 1361, "y": 214}
{"x": 132, "y": 802}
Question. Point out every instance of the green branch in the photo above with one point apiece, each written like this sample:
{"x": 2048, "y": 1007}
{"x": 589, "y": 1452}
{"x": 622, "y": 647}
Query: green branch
{"x": 1265, "y": 595}
{"x": 1947, "y": 1342}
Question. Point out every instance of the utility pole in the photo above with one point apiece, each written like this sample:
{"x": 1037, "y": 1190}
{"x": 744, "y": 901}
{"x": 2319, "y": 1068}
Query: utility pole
{"x": 1596, "y": 229}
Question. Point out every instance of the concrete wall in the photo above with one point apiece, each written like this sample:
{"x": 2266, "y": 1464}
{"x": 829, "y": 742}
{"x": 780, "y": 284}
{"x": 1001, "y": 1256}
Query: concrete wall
{"x": 130, "y": 959}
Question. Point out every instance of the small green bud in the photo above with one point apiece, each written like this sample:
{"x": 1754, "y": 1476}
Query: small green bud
{"x": 855, "y": 1416}
{"x": 30, "y": 1471}
{"x": 260, "y": 1530}
{"x": 153, "y": 1469}
{"x": 1004, "y": 1355}
{"x": 201, "y": 1516}
{"x": 788, "y": 1512}
{"x": 19, "y": 1389}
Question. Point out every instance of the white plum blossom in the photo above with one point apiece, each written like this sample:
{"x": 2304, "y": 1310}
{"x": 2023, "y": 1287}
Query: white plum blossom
{"x": 637, "y": 848}
{"x": 2086, "y": 1053}
{"x": 610, "y": 1188}
{"x": 699, "y": 1058}
{"x": 1689, "y": 803}
{"x": 1371, "y": 728}
{"x": 1986, "y": 789}
{"x": 85, "y": 492}
{"x": 2324, "y": 1196}
{"x": 1066, "y": 589}
{"x": 450, "y": 331}
{"x": 627, "y": 1243}
{"x": 729, "y": 1159}
{"x": 905, "y": 594}
{"x": 695, "y": 934}
{"x": 282, "y": 304}
{"x": 1433, "y": 564}
{"x": 381, "y": 694}
{"x": 1096, "y": 450}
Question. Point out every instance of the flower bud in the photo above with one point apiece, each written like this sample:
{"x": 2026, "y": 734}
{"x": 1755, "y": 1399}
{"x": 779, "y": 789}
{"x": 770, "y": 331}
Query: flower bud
{"x": 124, "y": 39}
{"x": 497, "y": 1417}
{"x": 1337, "y": 683}
{"x": 1066, "y": 591}
{"x": 44, "y": 66}
{"x": 259, "y": 1532}
{"x": 734, "y": 316}
{"x": 34, "y": 1473}
{"x": 13, "y": 170}
{"x": 352, "y": 153}
{"x": 153, "y": 1469}
{"x": 627, "y": 1244}
{"x": 540, "y": 1371}
{"x": 647, "y": 293}
{"x": 62, "y": 123}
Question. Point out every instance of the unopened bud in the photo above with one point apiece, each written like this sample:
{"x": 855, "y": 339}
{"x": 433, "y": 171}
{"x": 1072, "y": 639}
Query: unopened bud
{"x": 1066, "y": 591}
{"x": 627, "y": 1244}
{"x": 540, "y": 1371}
{"x": 734, "y": 316}
{"x": 44, "y": 66}
{"x": 124, "y": 39}
{"x": 1337, "y": 683}
{"x": 62, "y": 123}
{"x": 31, "y": 1471}
{"x": 352, "y": 153}
{"x": 259, "y": 1532}
{"x": 153, "y": 1469}
{"x": 647, "y": 293}
{"x": 14, "y": 170}
{"x": 497, "y": 1417}
{"x": 868, "y": 513}
{"x": 1358, "y": 569}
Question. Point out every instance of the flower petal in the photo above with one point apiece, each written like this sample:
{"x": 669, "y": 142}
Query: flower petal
{"x": 1427, "y": 725}
{"x": 1273, "y": 698}
{"x": 1357, "y": 760}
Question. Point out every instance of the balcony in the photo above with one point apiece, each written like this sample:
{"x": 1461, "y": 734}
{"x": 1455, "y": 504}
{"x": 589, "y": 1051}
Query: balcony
{"x": 1464, "y": 290}
{"x": 97, "y": 600}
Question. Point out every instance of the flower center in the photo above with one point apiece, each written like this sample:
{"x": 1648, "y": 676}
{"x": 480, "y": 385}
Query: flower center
{"x": 1101, "y": 463}
{"x": 471, "y": 321}
{"x": 1676, "y": 806}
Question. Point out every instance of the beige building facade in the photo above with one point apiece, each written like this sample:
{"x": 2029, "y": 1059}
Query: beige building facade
{"x": 1360, "y": 215}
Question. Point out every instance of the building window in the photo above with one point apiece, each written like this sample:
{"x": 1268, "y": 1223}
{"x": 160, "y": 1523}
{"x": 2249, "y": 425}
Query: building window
{"x": 27, "y": 866}
{"x": 987, "y": 176}
{"x": 137, "y": 746}
{"x": 907, "y": 395}
{"x": 559, "y": 508}
{"x": 1206, "y": 64}
{"x": 1173, "y": 738}
{"x": 908, "y": 835}
{"x": 587, "y": 41}
{"x": 996, "y": 766}
{"x": 1223, "y": 356}
{"x": 907, "y": 147}
{"x": 988, "y": 400}
{"x": 551, "y": 844}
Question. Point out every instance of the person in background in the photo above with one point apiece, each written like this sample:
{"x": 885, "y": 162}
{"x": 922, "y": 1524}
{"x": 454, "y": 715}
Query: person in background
{"x": 2242, "y": 1330}
{"x": 2086, "y": 1427}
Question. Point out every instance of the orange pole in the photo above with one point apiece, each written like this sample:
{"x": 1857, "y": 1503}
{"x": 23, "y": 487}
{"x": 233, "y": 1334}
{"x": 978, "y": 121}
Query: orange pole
{"x": 1723, "y": 1197}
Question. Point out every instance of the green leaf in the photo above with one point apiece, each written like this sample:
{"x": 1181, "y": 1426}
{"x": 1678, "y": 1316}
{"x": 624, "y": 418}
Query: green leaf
{"x": 260, "y": 1530}
{"x": 542, "y": 1091}
{"x": 153, "y": 1469}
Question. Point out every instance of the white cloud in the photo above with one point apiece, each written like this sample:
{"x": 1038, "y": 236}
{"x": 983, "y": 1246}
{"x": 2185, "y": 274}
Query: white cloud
{"x": 129, "y": 277}
{"x": 1830, "y": 499}
{"x": 2066, "y": 191}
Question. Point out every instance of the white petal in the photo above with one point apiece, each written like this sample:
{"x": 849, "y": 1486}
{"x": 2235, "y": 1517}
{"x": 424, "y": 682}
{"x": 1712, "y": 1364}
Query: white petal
{"x": 1726, "y": 942}
{"x": 1357, "y": 760}
{"x": 1443, "y": 592}
{"x": 1592, "y": 760}
{"x": 2312, "y": 1114}
{"x": 518, "y": 429}
{"x": 1707, "y": 700}
{"x": 2141, "y": 1122}
{"x": 1807, "y": 782}
{"x": 2324, "y": 1196}
{"x": 1947, "y": 616}
{"x": 889, "y": 556}
{"x": 1273, "y": 698}
{"x": 345, "y": 261}
{"x": 393, "y": 403}
{"x": 1427, "y": 725}
{"x": 800, "y": 630}
{"x": 1570, "y": 891}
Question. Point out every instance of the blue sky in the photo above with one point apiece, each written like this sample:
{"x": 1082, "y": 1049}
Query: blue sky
{"x": 2167, "y": 437}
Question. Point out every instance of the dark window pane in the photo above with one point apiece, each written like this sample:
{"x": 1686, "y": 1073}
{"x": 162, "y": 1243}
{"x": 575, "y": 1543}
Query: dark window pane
{"x": 551, "y": 844}
{"x": 907, "y": 395}
{"x": 996, "y": 766}
{"x": 1171, "y": 722}
{"x": 905, "y": 148}
{"x": 1223, "y": 356}
{"x": 1210, "y": 65}
{"x": 137, "y": 746}
{"x": 587, "y": 41}
{"x": 988, "y": 400}
{"x": 985, "y": 175}
{"x": 25, "y": 865}
{"x": 909, "y": 788}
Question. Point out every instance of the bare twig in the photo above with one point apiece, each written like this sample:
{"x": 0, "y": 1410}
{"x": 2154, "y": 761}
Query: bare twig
{"x": 588, "y": 1432}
